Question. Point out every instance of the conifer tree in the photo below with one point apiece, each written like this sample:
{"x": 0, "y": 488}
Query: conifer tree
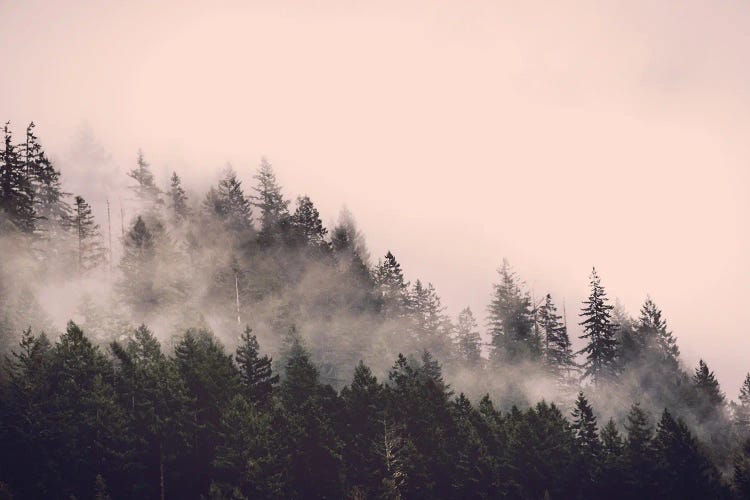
{"x": 177, "y": 198}
{"x": 710, "y": 398}
{"x": 145, "y": 188}
{"x": 256, "y": 375}
{"x": 389, "y": 280}
{"x": 653, "y": 334}
{"x": 232, "y": 205}
{"x": 611, "y": 478}
{"x": 638, "y": 455}
{"x": 91, "y": 252}
{"x": 587, "y": 442}
{"x": 16, "y": 190}
{"x": 741, "y": 470}
{"x": 510, "y": 320}
{"x": 558, "y": 355}
{"x": 468, "y": 340}
{"x": 741, "y": 411}
{"x": 269, "y": 199}
{"x": 599, "y": 332}
{"x": 306, "y": 225}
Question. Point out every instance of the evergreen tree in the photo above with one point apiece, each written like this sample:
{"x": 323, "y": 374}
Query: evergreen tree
{"x": 654, "y": 336}
{"x": 510, "y": 320}
{"x": 269, "y": 199}
{"x": 232, "y": 205}
{"x": 145, "y": 189}
{"x": 16, "y": 190}
{"x": 306, "y": 226}
{"x": 741, "y": 411}
{"x": 91, "y": 252}
{"x": 177, "y": 198}
{"x": 558, "y": 355}
{"x": 468, "y": 340}
{"x": 599, "y": 332}
{"x": 389, "y": 280}
{"x": 255, "y": 370}
{"x": 741, "y": 476}
{"x": 683, "y": 471}
{"x": 611, "y": 483}
{"x": 638, "y": 455}
{"x": 431, "y": 327}
{"x": 710, "y": 400}
{"x": 138, "y": 266}
{"x": 587, "y": 442}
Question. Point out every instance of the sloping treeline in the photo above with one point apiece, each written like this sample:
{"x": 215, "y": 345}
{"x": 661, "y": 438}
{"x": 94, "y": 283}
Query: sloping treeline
{"x": 112, "y": 413}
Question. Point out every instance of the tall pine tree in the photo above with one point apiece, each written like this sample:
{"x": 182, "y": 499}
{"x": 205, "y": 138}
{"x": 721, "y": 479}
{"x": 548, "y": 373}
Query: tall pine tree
{"x": 599, "y": 333}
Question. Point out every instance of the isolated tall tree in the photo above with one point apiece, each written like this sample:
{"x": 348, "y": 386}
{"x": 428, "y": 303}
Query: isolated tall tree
{"x": 91, "y": 251}
{"x": 599, "y": 333}
{"x": 269, "y": 199}
{"x": 468, "y": 340}
{"x": 16, "y": 190}
{"x": 145, "y": 188}
{"x": 256, "y": 375}
{"x": 558, "y": 355}
{"x": 510, "y": 319}
{"x": 177, "y": 198}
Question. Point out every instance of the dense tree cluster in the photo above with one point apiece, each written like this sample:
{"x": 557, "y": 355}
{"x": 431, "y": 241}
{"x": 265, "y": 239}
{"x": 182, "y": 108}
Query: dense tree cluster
{"x": 324, "y": 412}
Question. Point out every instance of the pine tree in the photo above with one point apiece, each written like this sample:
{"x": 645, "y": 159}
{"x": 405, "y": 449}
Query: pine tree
{"x": 91, "y": 252}
{"x": 16, "y": 190}
{"x": 683, "y": 471}
{"x": 587, "y": 442}
{"x": 256, "y": 375}
{"x": 431, "y": 327}
{"x": 145, "y": 189}
{"x": 233, "y": 206}
{"x": 638, "y": 455}
{"x": 611, "y": 482}
{"x": 137, "y": 264}
{"x": 389, "y": 280}
{"x": 307, "y": 228}
{"x": 510, "y": 320}
{"x": 599, "y": 331}
{"x": 558, "y": 355}
{"x": 177, "y": 198}
{"x": 741, "y": 411}
{"x": 654, "y": 336}
{"x": 468, "y": 340}
{"x": 741, "y": 466}
{"x": 710, "y": 399}
{"x": 269, "y": 199}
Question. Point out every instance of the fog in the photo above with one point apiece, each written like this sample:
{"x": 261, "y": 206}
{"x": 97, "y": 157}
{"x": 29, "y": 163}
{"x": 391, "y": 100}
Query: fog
{"x": 592, "y": 133}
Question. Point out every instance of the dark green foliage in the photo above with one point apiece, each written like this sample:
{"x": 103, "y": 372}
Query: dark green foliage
{"x": 741, "y": 409}
{"x": 389, "y": 280}
{"x": 558, "y": 355}
{"x": 710, "y": 400}
{"x": 599, "y": 333}
{"x": 255, "y": 370}
{"x": 16, "y": 190}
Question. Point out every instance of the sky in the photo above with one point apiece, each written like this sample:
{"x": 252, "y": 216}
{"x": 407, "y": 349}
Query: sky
{"x": 559, "y": 135}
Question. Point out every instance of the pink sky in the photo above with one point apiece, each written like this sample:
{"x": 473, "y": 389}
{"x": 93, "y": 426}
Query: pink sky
{"x": 560, "y": 135}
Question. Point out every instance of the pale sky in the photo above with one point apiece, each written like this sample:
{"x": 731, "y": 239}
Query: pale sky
{"x": 560, "y": 135}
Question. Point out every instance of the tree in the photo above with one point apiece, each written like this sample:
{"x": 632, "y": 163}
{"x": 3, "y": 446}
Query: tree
{"x": 233, "y": 206}
{"x": 587, "y": 443}
{"x": 742, "y": 408}
{"x": 269, "y": 199}
{"x": 638, "y": 455}
{"x": 558, "y": 355}
{"x": 177, "y": 198}
{"x": 654, "y": 336}
{"x": 741, "y": 476}
{"x": 145, "y": 189}
{"x": 611, "y": 482}
{"x": 91, "y": 251}
{"x": 599, "y": 333}
{"x": 256, "y": 375}
{"x": 16, "y": 190}
{"x": 137, "y": 265}
{"x": 468, "y": 340}
{"x": 710, "y": 399}
{"x": 510, "y": 320}
{"x": 307, "y": 228}
{"x": 682, "y": 469}
{"x": 431, "y": 327}
{"x": 389, "y": 280}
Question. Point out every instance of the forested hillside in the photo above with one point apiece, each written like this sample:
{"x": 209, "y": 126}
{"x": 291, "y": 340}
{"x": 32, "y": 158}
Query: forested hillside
{"x": 226, "y": 344}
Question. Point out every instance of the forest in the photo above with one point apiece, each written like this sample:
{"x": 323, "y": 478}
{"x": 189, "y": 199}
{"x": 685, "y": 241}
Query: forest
{"x": 228, "y": 345}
